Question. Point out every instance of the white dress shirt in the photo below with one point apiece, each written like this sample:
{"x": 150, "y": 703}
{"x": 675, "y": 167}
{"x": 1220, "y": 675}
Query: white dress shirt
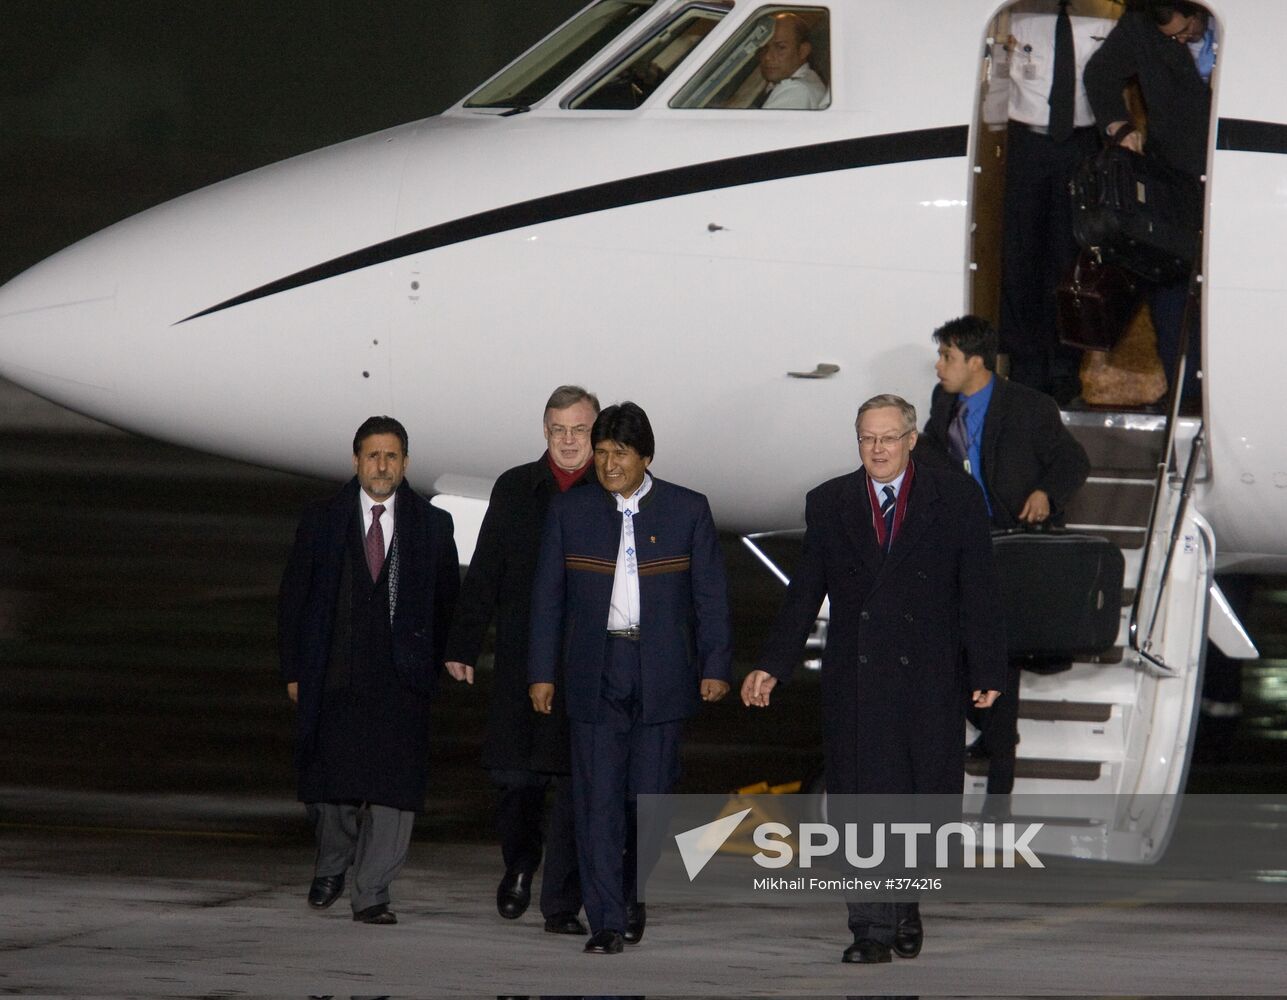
{"x": 623, "y": 612}
{"x": 803, "y": 90}
{"x": 1032, "y": 65}
{"x": 386, "y": 519}
{"x": 896, "y": 482}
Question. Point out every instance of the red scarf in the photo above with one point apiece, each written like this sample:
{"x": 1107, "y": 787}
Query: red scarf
{"x": 900, "y": 505}
{"x": 564, "y": 479}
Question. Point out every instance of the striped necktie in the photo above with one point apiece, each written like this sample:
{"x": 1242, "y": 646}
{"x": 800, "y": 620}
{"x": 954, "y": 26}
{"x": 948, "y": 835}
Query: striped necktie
{"x": 375, "y": 542}
{"x": 887, "y": 512}
{"x": 958, "y": 436}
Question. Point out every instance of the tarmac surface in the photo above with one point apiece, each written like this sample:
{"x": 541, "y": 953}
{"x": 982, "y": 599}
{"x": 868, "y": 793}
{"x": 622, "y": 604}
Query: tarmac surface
{"x": 150, "y": 843}
{"x": 154, "y": 912}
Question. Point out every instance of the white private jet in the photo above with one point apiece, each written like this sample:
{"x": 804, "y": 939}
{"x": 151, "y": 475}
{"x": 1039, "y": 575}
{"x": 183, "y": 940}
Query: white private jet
{"x": 619, "y": 208}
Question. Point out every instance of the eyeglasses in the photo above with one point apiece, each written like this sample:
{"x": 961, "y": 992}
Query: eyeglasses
{"x": 559, "y": 431}
{"x": 885, "y": 441}
{"x": 1187, "y": 32}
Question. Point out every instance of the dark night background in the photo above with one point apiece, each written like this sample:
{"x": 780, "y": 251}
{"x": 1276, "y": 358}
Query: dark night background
{"x": 108, "y": 109}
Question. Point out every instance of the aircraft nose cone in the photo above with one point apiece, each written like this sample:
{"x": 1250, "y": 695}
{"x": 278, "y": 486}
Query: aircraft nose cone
{"x": 56, "y": 330}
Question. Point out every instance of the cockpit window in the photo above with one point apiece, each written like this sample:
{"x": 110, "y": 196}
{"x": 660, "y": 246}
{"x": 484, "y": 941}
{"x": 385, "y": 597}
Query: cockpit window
{"x": 781, "y": 61}
{"x": 549, "y": 64}
{"x": 632, "y": 80}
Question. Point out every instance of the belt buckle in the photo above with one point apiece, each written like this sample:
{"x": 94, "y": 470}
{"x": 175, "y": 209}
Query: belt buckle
{"x": 631, "y": 633}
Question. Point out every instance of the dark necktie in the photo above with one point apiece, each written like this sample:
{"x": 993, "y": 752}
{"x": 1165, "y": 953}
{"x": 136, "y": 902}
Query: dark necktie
{"x": 763, "y": 96}
{"x": 958, "y": 438}
{"x": 1063, "y": 85}
{"x": 375, "y": 542}
{"x": 887, "y": 512}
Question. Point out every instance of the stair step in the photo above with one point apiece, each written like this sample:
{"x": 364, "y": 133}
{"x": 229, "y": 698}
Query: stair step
{"x": 1102, "y": 683}
{"x": 1050, "y": 740}
{"x": 1065, "y": 711}
{"x": 1123, "y": 537}
{"x": 1118, "y": 504}
{"x": 1118, "y": 443}
{"x": 1059, "y": 770}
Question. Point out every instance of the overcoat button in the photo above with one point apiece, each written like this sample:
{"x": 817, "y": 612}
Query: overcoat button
{"x": 865, "y": 615}
{"x": 862, "y": 659}
{"x": 903, "y": 660}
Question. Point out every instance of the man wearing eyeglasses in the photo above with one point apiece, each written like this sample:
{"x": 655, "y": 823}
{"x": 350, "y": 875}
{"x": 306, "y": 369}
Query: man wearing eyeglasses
{"x": 904, "y": 552}
{"x": 526, "y": 754}
{"x": 1152, "y": 45}
{"x": 1169, "y": 49}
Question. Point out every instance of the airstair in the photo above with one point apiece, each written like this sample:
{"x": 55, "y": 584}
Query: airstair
{"x": 1118, "y": 724}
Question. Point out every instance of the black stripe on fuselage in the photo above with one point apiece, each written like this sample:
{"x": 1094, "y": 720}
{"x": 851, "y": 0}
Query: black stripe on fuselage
{"x": 1248, "y": 136}
{"x": 801, "y": 161}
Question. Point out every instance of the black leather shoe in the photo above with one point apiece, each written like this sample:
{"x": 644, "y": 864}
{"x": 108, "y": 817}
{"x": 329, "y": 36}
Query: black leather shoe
{"x": 325, "y": 890}
{"x": 564, "y": 923}
{"x": 909, "y": 935}
{"x": 513, "y": 894}
{"x": 377, "y": 914}
{"x": 865, "y": 951}
{"x": 976, "y": 750}
{"x": 636, "y": 918}
{"x": 604, "y": 943}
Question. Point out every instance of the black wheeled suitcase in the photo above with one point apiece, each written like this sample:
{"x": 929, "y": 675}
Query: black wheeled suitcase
{"x": 1138, "y": 213}
{"x": 1062, "y": 592}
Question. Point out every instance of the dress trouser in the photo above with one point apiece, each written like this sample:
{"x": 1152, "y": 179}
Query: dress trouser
{"x": 878, "y": 920}
{"x": 371, "y": 839}
{"x": 875, "y": 919}
{"x": 520, "y": 811}
{"x": 999, "y": 728}
{"x": 1166, "y": 304}
{"x": 1037, "y": 250}
{"x": 614, "y": 760}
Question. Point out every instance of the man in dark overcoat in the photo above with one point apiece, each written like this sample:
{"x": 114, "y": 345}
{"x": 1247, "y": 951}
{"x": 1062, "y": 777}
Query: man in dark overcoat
{"x": 1012, "y": 441}
{"x": 905, "y": 555}
{"x": 630, "y": 596}
{"x": 525, "y": 753}
{"x": 1169, "y": 48}
{"x": 363, "y": 612}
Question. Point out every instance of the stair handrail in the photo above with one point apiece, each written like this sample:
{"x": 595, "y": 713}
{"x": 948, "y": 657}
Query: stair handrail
{"x": 1144, "y": 646}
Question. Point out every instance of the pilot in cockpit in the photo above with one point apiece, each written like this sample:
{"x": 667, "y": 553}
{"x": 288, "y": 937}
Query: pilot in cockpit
{"x": 784, "y": 63}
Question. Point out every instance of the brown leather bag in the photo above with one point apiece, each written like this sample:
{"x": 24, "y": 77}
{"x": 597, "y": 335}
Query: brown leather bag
{"x": 1095, "y": 303}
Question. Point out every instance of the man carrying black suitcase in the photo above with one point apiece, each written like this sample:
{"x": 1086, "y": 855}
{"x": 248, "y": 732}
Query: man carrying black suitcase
{"x": 1012, "y": 441}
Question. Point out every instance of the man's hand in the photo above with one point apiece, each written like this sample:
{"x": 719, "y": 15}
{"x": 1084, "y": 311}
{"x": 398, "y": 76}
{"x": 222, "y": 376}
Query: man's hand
{"x": 1036, "y": 509}
{"x": 756, "y": 688}
{"x": 460, "y": 671}
{"x": 542, "y": 696}
{"x": 713, "y": 690}
{"x": 292, "y": 692}
{"x": 984, "y": 699}
{"x": 1132, "y": 140}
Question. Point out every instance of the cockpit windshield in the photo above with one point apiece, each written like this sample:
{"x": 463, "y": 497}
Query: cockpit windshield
{"x": 549, "y": 64}
{"x": 632, "y": 80}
